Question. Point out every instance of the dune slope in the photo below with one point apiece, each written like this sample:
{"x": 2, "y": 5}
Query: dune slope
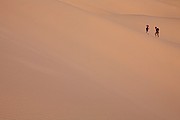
{"x": 89, "y": 60}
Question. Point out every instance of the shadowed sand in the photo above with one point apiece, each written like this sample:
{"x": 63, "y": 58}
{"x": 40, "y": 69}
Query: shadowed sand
{"x": 89, "y": 60}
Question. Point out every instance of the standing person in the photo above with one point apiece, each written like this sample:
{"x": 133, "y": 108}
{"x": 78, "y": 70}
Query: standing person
{"x": 156, "y": 32}
{"x": 147, "y": 29}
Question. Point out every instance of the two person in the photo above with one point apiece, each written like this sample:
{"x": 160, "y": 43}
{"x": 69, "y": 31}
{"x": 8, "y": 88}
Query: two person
{"x": 156, "y": 31}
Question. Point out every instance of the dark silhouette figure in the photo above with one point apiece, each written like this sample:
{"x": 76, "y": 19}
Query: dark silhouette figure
{"x": 156, "y": 32}
{"x": 147, "y": 29}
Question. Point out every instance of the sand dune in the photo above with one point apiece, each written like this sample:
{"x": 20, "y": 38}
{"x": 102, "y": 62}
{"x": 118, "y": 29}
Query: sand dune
{"x": 89, "y": 60}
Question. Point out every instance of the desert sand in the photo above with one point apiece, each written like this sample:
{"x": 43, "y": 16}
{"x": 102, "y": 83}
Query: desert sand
{"x": 89, "y": 60}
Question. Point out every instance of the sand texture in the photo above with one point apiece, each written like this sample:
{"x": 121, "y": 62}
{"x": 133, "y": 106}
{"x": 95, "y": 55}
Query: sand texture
{"x": 89, "y": 60}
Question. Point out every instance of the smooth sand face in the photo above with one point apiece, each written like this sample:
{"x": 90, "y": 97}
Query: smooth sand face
{"x": 89, "y": 60}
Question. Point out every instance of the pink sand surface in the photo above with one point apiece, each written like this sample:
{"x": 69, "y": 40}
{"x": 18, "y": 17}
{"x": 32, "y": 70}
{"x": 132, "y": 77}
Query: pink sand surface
{"x": 89, "y": 60}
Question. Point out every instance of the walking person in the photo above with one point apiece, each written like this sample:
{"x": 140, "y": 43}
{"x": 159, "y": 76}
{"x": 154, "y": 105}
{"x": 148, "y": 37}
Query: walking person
{"x": 156, "y": 32}
{"x": 147, "y": 29}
